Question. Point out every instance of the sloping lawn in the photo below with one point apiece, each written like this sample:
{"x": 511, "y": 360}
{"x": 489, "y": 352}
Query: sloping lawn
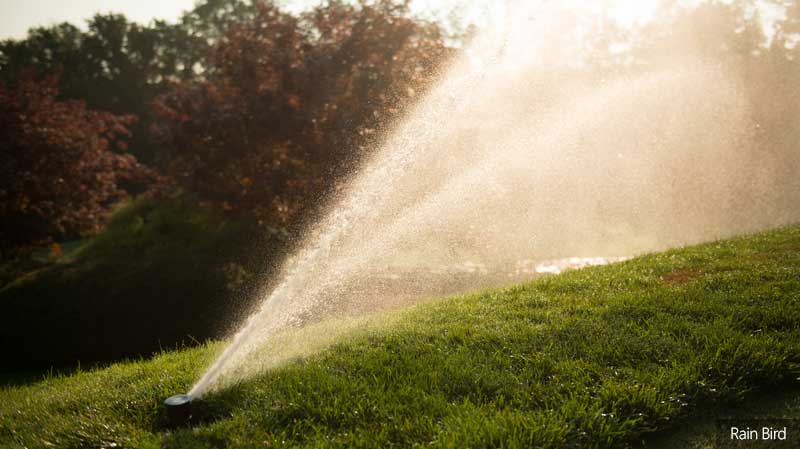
{"x": 602, "y": 357}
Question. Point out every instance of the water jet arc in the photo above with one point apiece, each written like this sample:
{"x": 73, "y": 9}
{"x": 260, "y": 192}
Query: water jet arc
{"x": 516, "y": 159}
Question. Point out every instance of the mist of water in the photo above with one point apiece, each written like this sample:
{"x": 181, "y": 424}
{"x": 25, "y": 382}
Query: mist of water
{"x": 500, "y": 166}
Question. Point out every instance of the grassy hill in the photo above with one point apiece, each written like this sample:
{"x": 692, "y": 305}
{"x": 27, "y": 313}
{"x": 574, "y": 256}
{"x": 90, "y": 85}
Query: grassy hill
{"x": 603, "y": 357}
{"x": 117, "y": 294}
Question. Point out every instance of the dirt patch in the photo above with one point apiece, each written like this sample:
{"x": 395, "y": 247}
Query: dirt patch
{"x": 681, "y": 276}
{"x": 791, "y": 247}
{"x": 778, "y": 252}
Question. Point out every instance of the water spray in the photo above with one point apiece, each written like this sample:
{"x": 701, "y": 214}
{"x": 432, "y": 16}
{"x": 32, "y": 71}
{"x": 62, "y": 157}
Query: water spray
{"x": 516, "y": 158}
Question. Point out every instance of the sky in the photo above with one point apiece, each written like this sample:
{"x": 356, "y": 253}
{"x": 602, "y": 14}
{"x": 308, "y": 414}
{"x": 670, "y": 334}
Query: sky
{"x": 16, "y": 16}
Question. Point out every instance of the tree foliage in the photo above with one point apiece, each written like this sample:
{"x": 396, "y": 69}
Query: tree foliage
{"x": 290, "y": 103}
{"x": 117, "y": 65}
{"x": 63, "y": 165}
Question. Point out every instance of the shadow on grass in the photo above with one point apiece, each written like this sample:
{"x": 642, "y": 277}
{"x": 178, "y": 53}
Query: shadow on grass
{"x": 33, "y": 376}
{"x": 22, "y": 378}
{"x": 781, "y": 402}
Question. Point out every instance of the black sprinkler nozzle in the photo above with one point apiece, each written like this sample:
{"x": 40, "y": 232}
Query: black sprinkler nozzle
{"x": 179, "y": 409}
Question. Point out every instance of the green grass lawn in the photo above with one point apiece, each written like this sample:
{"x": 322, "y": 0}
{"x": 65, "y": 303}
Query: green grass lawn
{"x": 602, "y": 357}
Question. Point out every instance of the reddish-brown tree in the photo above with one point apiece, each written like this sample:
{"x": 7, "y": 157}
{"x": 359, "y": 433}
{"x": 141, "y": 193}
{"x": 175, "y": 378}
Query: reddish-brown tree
{"x": 290, "y": 102}
{"x": 61, "y": 165}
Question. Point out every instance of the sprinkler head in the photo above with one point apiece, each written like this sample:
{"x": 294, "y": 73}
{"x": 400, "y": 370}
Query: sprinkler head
{"x": 179, "y": 409}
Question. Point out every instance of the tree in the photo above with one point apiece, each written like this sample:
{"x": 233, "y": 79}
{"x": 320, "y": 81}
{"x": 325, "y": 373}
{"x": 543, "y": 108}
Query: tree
{"x": 116, "y": 65}
{"x": 63, "y": 165}
{"x": 289, "y": 104}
